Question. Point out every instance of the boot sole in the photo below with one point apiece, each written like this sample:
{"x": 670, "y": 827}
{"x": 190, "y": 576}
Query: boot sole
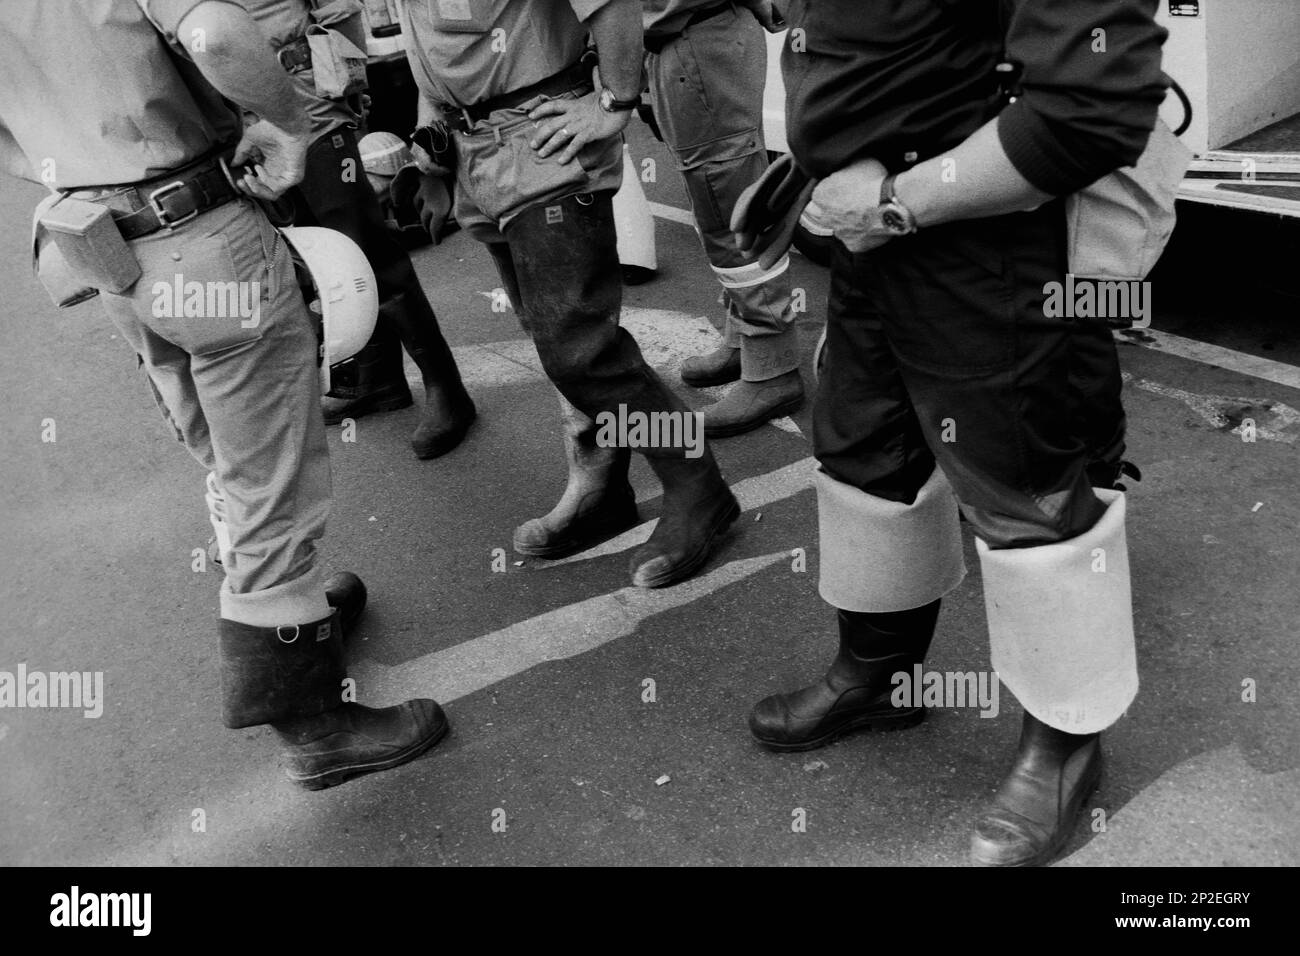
{"x": 697, "y": 560}
{"x": 879, "y": 723}
{"x": 576, "y": 545}
{"x": 1058, "y": 842}
{"x": 337, "y": 775}
{"x": 365, "y": 407}
{"x": 740, "y": 428}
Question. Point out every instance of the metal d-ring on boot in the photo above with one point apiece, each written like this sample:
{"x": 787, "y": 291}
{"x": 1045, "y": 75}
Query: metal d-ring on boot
{"x": 291, "y": 677}
{"x": 448, "y": 409}
{"x": 598, "y": 502}
{"x": 856, "y": 692}
{"x": 1039, "y": 801}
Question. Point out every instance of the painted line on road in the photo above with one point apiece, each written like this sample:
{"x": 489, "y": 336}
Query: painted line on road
{"x": 565, "y": 632}
{"x": 1273, "y": 421}
{"x": 1279, "y": 373}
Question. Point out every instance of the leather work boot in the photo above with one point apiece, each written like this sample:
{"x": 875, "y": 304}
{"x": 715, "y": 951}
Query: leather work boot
{"x": 698, "y": 507}
{"x": 747, "y": 405}
{"x": 1036, "y": 808}
{"x": 719, "y": 367}
{"x": 769, "y": 386}
{"x": 598, "y": 502}
{"x": 448, "y": 410}
{"x": 291, "y": 677}
{"x": 855, "y": 693}
{"x": 371, "y": 381}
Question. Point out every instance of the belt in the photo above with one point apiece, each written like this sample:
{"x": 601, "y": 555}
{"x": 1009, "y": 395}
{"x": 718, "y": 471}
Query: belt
{"x": 570, "y": 78}
{"x": 167, "y": 201}
{"x": 295, "y": 56}
{"x": 656, "y": 44}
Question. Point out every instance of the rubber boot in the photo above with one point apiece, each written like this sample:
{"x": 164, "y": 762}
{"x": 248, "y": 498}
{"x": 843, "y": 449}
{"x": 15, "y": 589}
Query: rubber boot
{"x": 770, "y": 386}
{"x": 346, "y": 594}
{"x": 698, "y": 507}
{"x": 448, "y": 410}
{"x": 598, "y": 501}
{"x": 1039, "y": 803}
{"x": 291, "y": 677}
{"x": 371, "y": 381}
{"x": 855, "y": 693}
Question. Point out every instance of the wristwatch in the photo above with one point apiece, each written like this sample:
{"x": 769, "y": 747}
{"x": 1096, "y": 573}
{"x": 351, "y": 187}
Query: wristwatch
{"x": 896, "y": 218}
{"x": 610, "y": 104}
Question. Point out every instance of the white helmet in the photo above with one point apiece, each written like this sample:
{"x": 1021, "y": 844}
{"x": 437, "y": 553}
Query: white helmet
{"x": 346, "y": 297}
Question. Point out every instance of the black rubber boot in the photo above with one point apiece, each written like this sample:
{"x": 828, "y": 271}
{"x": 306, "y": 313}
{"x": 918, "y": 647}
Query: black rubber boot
{"x": 351, "y": 740}
{"x": 291, "y": 677}
{"x": 747, "y": 405}
{"x": 371, "y": 381}
{"x": 448, "y": 410}
{"x": 719, "y": 367}
{"x": 1036, "y": 808}
{"x": 698, "y": 507}
{"x": 855, "y": 693}
{"x": 346, "y": 593}
{"x": 598, "y": 502}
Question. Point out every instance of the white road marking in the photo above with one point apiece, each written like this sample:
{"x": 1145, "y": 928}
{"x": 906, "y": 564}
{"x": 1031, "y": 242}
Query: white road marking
{"x": 566, "y": 632}
{"x": 1280, "y": 422}
{"x": 752, "y": 493}
{"x": 1279, "y": 373}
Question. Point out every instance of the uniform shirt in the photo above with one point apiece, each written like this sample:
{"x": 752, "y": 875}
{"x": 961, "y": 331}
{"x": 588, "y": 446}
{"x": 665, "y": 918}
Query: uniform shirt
{"x": 667, "y": 18}
{"x": 463, "y": 52}
{"x": 95, "y": 95}
{"x": 284, "y": 21}
{"x": 906, "y": 80}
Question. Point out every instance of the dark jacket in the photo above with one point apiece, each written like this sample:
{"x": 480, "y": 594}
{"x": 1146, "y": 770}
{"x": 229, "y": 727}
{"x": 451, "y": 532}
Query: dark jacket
{"x": 905, "y": 80}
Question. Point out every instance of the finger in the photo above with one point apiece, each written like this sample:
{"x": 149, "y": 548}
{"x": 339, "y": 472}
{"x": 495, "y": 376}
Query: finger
{"x": 546, "y": 131}
{"x": 575, "y": 145}
{"x": 549, "y": 108}
{"x": 555, "y": 141}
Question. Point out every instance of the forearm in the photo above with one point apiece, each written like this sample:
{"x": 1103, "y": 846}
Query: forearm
{"x": 973, "y": 181}
{"x": 237, "y": 59}
{"x": 616, "y": 29}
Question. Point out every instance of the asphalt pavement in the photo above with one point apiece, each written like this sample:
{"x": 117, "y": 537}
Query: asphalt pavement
{"x": 594, "y": 723}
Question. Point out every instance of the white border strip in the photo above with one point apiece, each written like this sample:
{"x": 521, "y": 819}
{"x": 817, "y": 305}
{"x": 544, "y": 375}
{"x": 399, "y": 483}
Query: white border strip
{"x": 1279, "y": 373}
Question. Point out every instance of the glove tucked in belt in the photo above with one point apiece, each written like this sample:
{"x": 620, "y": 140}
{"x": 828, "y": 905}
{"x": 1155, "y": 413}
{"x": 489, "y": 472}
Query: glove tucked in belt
{"x": 767, "y": 213}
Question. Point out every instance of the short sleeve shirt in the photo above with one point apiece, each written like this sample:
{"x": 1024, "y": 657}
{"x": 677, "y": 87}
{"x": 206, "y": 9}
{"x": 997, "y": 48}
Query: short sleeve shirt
{"x": 284, "y": 21}
{"x": 101, "y": 92}
{"x": 465, "y": 51}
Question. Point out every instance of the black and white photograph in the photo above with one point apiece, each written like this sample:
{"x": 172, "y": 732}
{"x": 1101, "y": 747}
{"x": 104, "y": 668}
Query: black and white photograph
{"x": 650, "y": 433}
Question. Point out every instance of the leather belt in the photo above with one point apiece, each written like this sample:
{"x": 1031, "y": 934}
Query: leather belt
{"x": 167, "y": 201}
{"x": 295, "y": 56}
{"x": 656, "y": 44}
{"x": 577, "y": 76}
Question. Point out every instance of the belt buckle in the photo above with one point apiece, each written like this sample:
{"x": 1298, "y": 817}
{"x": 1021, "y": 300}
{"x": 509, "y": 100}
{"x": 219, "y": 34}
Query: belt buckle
{"x": 155, "y": 203}
{"x": 298, "y": 64}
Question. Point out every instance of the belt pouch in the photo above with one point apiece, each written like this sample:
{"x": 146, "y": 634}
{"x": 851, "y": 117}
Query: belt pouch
{"x": 91, "y": 245}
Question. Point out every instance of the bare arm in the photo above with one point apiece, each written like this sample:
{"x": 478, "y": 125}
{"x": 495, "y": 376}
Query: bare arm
{"x": 975, "y": 180}
{"x": 236, "y": 58}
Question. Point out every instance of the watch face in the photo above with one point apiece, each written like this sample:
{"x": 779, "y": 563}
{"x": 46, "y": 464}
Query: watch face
{"x": 894, "y": 220}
